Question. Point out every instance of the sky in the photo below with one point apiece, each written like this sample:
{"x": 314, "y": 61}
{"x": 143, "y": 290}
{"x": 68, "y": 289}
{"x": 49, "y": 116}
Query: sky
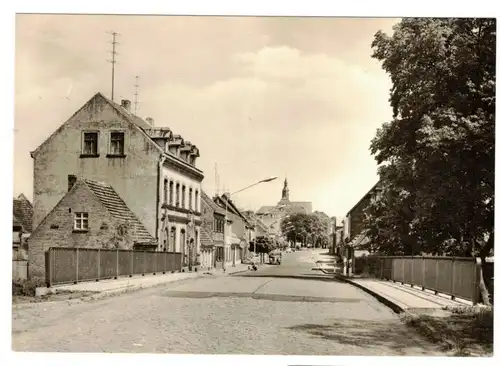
{"x": 299, "y": 98}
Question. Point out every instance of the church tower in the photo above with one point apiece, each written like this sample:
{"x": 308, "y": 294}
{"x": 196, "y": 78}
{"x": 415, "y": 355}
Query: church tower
{"x": 285, "y": 193}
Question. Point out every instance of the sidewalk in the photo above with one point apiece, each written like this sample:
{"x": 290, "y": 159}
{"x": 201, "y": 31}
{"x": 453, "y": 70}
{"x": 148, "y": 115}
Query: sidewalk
{"x": 404, "y": 298}
{"x": 238, "y": 268}
{"x": 112, "y": 287}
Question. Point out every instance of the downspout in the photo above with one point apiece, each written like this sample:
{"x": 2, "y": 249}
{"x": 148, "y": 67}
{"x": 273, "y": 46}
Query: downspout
{"x": 163, "y": 157}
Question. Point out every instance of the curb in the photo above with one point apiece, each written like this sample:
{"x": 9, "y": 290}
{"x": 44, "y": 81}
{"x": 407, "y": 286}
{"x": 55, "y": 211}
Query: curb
{"x": 100, "y": 295}
{"x": 394, "y": 306}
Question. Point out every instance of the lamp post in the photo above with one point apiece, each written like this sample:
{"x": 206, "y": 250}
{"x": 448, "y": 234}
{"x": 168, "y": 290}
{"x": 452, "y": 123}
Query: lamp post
{"x": 225, "y": 215}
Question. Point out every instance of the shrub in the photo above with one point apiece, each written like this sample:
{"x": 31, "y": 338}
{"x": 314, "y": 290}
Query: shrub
{"x": 26, "y": 287}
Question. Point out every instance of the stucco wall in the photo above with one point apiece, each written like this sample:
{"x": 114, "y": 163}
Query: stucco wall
{"x": 134, "y": 177}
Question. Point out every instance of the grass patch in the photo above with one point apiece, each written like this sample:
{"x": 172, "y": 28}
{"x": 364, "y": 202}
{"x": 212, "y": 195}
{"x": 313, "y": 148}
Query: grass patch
{"x": 466, "y": 331}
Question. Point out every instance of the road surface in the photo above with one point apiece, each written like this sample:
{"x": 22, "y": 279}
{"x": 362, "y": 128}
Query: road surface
{"x": 226, "y": 315}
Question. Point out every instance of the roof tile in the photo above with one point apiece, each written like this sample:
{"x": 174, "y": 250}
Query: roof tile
{"x": 119, "y": 210}
{"x": 23, "y": 212}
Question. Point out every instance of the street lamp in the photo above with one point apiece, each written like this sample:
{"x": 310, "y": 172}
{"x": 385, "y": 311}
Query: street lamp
{"x": 225, "y": 215}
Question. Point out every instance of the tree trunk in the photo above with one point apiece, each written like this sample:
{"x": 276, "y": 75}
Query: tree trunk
{"x": 483, "y": 290}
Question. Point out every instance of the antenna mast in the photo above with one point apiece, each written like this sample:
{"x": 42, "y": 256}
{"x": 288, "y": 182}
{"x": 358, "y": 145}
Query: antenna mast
{"x": 136, "y": 101}
{"x": 113, "y": 62}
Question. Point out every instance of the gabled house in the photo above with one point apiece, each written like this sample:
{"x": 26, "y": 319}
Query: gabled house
{"x": 237, "y": 231}
{"x": 212, "y": 232}
{"x": 22, "y": 225}
{"x": 153, "y": 170}
{"x": 354, "y": 233}
{"x": 260, "y": 229}
{"x": 90, "y": 215}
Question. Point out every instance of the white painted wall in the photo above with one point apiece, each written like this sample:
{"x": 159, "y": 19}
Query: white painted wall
{"x": 177, "y": 177}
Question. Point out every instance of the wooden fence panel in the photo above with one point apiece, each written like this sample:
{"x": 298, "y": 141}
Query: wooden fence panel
{"x": 68, "y": 265}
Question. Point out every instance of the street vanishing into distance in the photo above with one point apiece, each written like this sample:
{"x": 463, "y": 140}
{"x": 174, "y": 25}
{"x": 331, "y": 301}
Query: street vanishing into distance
{"x": 287, "y": 309}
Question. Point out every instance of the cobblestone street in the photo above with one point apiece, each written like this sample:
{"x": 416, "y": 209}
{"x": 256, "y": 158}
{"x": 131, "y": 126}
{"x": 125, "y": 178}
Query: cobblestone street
{"x": 223, "y": 315}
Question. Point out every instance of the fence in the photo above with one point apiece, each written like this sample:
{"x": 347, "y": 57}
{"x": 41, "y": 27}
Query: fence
{"x": 73, "y": 265}
{"x": 452, "y": 276}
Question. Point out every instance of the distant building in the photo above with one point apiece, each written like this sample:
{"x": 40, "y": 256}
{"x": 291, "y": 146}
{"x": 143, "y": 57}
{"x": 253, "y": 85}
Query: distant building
{"x": 354, "y": 221}
{"x": 354, "y": 233}
{"x": 153, "y": 170}
{"x": 271, "y": 216}
{"x": 237, "y": 231}
{"x": 22, "y": 226}
{"x": 212, "y": 232}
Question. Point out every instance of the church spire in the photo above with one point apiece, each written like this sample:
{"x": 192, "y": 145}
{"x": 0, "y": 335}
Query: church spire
{"x": 285, "y": 193}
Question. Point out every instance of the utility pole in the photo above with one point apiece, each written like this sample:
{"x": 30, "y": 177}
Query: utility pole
{"x": 136, "y": 101}
{"x": 113, "y": 62}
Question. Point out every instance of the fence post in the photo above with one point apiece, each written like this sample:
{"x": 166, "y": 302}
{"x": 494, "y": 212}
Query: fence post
{"x": 475, "y": 289}
{"x": 98, "y": 264}
{"x": 423, "y": 274}
{"x": 76, "y": 266}
{"x": 131, "y": 263}
{"x": 412, "y": 261}
{"x": 437, "y": 278}
{"x": 48, "y": 268}
{"x": 117, "y": 261}
{"x": 392, "y": 270}
{"x": 403, "y": 260}
{"x": 452, "y": 289}
{"x": 143, "y": 262}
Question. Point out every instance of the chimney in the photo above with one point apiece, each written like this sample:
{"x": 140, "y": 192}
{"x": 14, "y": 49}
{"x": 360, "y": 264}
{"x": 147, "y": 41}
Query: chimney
{"x": 150, "y": 121}
{"x": 71, "y": 181}
{"x": 126, "y": 104}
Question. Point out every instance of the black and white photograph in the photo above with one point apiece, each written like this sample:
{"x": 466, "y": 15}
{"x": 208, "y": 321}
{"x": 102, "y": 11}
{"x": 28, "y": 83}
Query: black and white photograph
{"x": 189, "y": 184}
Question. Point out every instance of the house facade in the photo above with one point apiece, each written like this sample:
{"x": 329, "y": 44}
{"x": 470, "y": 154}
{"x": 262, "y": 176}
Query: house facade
{"x": 90, "y": 215}
{"x": 237, "y": 231}
{"x": 354, "y": 231}
{"x": 150, "y": 168}
{"x": 212, "y": 232}
{"x": 22, "y": 226}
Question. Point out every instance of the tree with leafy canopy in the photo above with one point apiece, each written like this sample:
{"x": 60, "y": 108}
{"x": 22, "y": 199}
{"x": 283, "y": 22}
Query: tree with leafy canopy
{"x": 294, "y": 227}
{"x": 320, "y": 228}
{"x": 263, "y": 244}
{"x": 436, "y": 156}
{"x": 304, "y": 227}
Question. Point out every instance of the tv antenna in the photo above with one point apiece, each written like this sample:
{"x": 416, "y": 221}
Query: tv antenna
{"x": 113, "y": 62}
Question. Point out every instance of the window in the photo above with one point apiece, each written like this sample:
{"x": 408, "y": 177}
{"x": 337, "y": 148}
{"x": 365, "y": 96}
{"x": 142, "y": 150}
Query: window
{"x": 196, "y": 201}
{"x": 117, "y": 143}
{"x": 171, "y": 193}
{"x": 190, "y": 198}
{"x": 177, "y": 194}
{"x": 165, "y": 191}
{"x": 90, "y": 143}
{"x": 183, "y": 196}
{"x": 81, "y": 221}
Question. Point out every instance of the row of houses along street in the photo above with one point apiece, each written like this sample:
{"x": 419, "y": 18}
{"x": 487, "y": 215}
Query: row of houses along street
{"x": 108, "y": 179}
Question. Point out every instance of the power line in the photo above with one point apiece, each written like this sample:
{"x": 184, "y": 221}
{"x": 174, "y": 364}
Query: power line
{"x": 136, "y": 94}
{"x": 113, "y": 62}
